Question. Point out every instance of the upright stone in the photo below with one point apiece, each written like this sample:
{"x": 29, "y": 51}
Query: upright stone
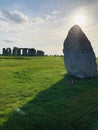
{"x": 4, "y": 52}
{"x": 8, "y": 50}
{"x": 79, "y": 56}
{"x": 31, "y": 52}
{"x": 19, "y": 52}
{"x": 40, "y": 53}
{"x": 15, "y": 51}
{"x": 25, "y": 51}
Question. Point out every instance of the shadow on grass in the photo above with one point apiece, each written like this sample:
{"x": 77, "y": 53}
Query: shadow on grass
{"x": 51, "y": 109}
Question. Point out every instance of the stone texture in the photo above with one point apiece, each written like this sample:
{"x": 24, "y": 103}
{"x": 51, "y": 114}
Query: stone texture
{"x": 79, "y": 56}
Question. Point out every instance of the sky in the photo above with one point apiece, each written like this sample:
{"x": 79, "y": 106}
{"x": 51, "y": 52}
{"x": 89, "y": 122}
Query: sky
{"x": 44, "y": 24}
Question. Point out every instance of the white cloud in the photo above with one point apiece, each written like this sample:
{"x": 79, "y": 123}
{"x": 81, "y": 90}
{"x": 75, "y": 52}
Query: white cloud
{"x": 56, "y": 12}
{"x": 15, "y": 16}
{"x": 53, "y": 17}
{"x": 38, "y": 20}
{"x": 20, "y": 22}
{"x": 4, "y": 26}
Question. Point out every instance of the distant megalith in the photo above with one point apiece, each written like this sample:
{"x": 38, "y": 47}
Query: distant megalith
{"x": 79, "y": 57}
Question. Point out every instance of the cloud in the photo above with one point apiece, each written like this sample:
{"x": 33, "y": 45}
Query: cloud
{"x": 56, "y": 12}
{"x": 21, "y": 22}
{"x": 38, "y": 20}
{"x": 8, "y": 41}
{"x": 52, "y": 17}
{"x": 4, "y": 26}
{"x": 15, "y": 16}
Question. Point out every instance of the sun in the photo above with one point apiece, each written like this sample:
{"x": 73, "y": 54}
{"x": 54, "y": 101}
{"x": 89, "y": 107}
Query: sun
{"x": 80, "y": 20}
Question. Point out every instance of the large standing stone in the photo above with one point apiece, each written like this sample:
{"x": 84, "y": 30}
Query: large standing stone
{"x": 79, "y": 56}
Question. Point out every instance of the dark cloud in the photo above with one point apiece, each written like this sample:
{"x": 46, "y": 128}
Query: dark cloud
{"x": 15, "y": 16}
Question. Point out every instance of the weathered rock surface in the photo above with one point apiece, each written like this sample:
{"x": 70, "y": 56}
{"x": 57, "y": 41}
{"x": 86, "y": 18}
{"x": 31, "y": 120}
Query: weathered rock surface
{"x": 79, "y": 56}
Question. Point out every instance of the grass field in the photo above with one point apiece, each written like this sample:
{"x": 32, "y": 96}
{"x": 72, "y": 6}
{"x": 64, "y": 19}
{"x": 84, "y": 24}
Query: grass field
{"x": 36, "y": 94}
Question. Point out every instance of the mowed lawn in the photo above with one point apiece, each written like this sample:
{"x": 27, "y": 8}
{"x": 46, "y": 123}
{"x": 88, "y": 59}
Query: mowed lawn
{"x": 36, "y": 94}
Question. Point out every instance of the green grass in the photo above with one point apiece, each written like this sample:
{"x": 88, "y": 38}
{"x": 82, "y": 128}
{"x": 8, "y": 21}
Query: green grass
{"x": 40, "y": 88}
